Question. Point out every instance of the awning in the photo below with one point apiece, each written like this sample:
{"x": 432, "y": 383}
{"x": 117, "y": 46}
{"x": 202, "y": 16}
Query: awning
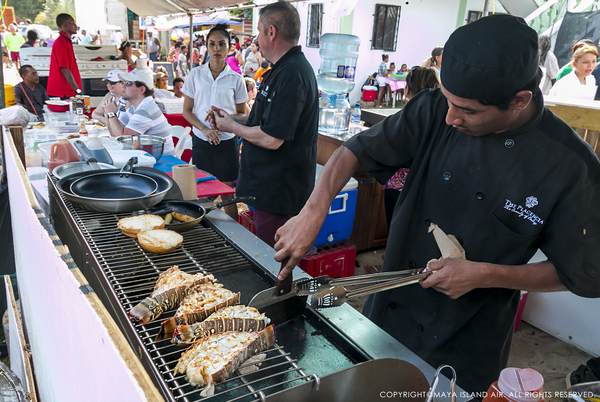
{"x": 198, "y": 20}
{"x": 147, "y": 8}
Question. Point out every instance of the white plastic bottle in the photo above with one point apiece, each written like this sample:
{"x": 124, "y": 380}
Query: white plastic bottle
{"x": 355, "y": 117}
{"x": 95, "y": 146}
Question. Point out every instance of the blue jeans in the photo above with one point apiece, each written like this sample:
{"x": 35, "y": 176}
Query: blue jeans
{"x": 154, "y": 56}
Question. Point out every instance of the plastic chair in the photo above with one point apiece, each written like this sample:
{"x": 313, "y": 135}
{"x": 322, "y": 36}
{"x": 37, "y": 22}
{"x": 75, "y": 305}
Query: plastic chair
{"x": 183, "y": 149}
{"x": 177, "y": 133}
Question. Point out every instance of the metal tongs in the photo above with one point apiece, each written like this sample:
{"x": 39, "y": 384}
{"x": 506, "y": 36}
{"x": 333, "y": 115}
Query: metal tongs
{"x": 324, "y": 291}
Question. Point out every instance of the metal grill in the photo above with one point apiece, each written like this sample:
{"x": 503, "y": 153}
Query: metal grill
{"x": 127, "y": 273}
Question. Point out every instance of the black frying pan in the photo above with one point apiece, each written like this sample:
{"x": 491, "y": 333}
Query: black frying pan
{"x": 115, "y": 185}
{"x": 167, "y": 188}
{"x": 191, "y": 209}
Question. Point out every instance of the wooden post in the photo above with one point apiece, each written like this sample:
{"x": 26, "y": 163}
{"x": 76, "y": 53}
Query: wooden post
{"x": 19, "y": 140}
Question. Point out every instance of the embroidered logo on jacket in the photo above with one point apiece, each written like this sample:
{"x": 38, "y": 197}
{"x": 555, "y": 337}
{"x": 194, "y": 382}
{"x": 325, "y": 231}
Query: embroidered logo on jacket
{"x": 531, "y": 202}
{"x": 523, "y": 212}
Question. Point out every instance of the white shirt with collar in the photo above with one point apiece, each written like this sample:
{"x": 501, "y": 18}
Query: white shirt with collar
{"x": 228, "y": 90}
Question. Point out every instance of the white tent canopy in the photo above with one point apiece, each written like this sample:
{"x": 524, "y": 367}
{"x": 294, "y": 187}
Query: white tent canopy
{"x": 149, "y": 8}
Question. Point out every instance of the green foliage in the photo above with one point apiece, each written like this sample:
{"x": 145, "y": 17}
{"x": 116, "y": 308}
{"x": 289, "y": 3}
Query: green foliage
{"x": 53, "y": 8}
{"x": 27, "y": 8}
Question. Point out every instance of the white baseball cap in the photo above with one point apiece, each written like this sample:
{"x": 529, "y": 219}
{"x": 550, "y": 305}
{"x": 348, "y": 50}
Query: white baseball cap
{"x": 113, "y": 75}
{"x": 143, "y": 75}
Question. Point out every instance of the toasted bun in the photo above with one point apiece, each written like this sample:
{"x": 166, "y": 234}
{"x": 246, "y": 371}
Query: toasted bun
{"x": 140, "y": 223}
{"x": 160, "y": 240}
{"x": 182, "y": 217}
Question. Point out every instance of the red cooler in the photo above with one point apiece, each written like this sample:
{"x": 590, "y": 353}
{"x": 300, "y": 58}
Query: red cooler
{"x": 369, "y": 93}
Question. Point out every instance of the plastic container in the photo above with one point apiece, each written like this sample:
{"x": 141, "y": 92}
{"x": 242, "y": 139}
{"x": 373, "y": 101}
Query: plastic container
{"x": 516, "y": 385}
{"x": 369, "y": 93}
{"x": 62, "y": 152}
{"x": 355, "y": 116}
{"x": 94, "y": 144}
{"x": 246, "y": 219}
{"x": 336, "y": 261}
{"x": 120, "y": 157}
{"x": 334, "y": 115}
{"x": 9, "y": 95}
{"x": 339, "y": 53}
{"x": 340, "y": 217}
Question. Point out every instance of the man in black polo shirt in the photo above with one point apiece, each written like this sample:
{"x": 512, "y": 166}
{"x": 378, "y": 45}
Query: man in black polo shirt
{"x": 29, "y": 93}
{"x": 280, "y": 136}
{"x": 491, "y": 166}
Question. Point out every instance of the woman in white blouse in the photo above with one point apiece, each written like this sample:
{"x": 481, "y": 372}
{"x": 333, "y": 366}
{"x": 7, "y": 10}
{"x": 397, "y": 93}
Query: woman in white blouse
{"x": 215, "y": 84}
{"x": 579, "y": 83}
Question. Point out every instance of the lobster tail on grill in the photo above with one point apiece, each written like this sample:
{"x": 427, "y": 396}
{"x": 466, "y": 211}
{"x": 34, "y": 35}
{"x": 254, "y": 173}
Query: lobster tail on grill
{"x": 232, "y": 318}
{"x": 171, "y": 287}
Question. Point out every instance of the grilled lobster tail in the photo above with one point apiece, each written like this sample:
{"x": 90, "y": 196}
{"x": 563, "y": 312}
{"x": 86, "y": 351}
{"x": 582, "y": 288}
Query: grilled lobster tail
{"x": 171, "y": 287}
{"x": 235, "y": 318}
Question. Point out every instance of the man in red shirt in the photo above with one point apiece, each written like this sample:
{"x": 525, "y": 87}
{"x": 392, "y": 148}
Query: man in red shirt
{"x": 64, "y": 79}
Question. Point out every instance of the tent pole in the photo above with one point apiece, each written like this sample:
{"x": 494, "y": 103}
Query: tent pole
{"x": 191, "y": 44}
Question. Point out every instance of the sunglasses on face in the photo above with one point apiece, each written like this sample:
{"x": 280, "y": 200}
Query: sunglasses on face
{"x": 129, "y": 83}
{"x": 112, "y": 82}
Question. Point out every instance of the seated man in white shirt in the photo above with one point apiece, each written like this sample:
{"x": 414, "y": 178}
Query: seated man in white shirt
{"x": 143, "y": 116}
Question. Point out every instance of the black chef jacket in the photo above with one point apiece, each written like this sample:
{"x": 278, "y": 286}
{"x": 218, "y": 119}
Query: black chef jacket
{"x": 286, "y": 107}
{"x": 503, "y": 196}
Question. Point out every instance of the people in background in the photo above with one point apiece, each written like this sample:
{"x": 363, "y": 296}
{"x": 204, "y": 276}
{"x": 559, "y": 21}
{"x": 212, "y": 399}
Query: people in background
{"x": 126, "y": 53}
{"x": 5, "y": 60}
{"x": 143, "y": 116}
{"x": 435, "y": 60}
{"x": 382, "y": 73}
{"x": 251, "y": 90}
{"x": 549, "y": 63}
{"x": 579, "y": 83}
{"x": 234, "y": 58}
{"x": 491, "y": 166}
{"x": 86, "y": 38}
{"x": 280, "y": 135}
{"x": 50, "y": 41}
{"x": 177, "y": 86}
{"x": 153, "y": 46}
{"x": 13, "y": 41}
{"x": 212, "y": 150}
{"x": 117, "y": 37}
{"x": 174, "y": 54}
{"x": 182, "y": 63}
{"x": 264, "y": 67}
{"x": 29, "y": 93}
{"x": 403, "y": 68}
{"x": 253, "y": 61}
{"x": 567, "y": 68}
{"x": 115, "y": 91}
{"x": 32, "y": 37}
{"x": 63, "y": 78}
{"x": 161, "y": 82}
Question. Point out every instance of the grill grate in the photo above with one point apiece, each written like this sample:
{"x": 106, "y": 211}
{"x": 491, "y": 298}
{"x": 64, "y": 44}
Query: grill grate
{"x": 132, "y": 272}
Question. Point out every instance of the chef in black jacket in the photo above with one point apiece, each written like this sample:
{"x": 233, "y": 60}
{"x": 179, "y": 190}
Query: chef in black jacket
{"x": 279, "y": 155}
{"x": 490, "y": 165}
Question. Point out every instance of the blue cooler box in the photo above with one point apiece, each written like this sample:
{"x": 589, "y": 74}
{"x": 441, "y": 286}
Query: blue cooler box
{"x": 340, "y": 218}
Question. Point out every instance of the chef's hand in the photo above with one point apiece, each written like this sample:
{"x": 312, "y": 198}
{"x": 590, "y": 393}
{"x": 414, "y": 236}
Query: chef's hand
{"x": 109, "y": 106}
{"x": 221, "y": 120}
{"x": 453, "y": 276}
{"x": 212, "y": 136}
{"x": 294, "y": 240}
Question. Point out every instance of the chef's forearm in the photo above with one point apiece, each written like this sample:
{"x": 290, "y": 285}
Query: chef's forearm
{"x": 69, "y": 77}
{"x": 534, "y": 277}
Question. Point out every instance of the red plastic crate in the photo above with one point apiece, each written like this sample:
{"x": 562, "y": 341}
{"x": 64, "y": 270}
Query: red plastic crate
{"x": 246, "y": 219}
{"x": 335, "y": 260}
